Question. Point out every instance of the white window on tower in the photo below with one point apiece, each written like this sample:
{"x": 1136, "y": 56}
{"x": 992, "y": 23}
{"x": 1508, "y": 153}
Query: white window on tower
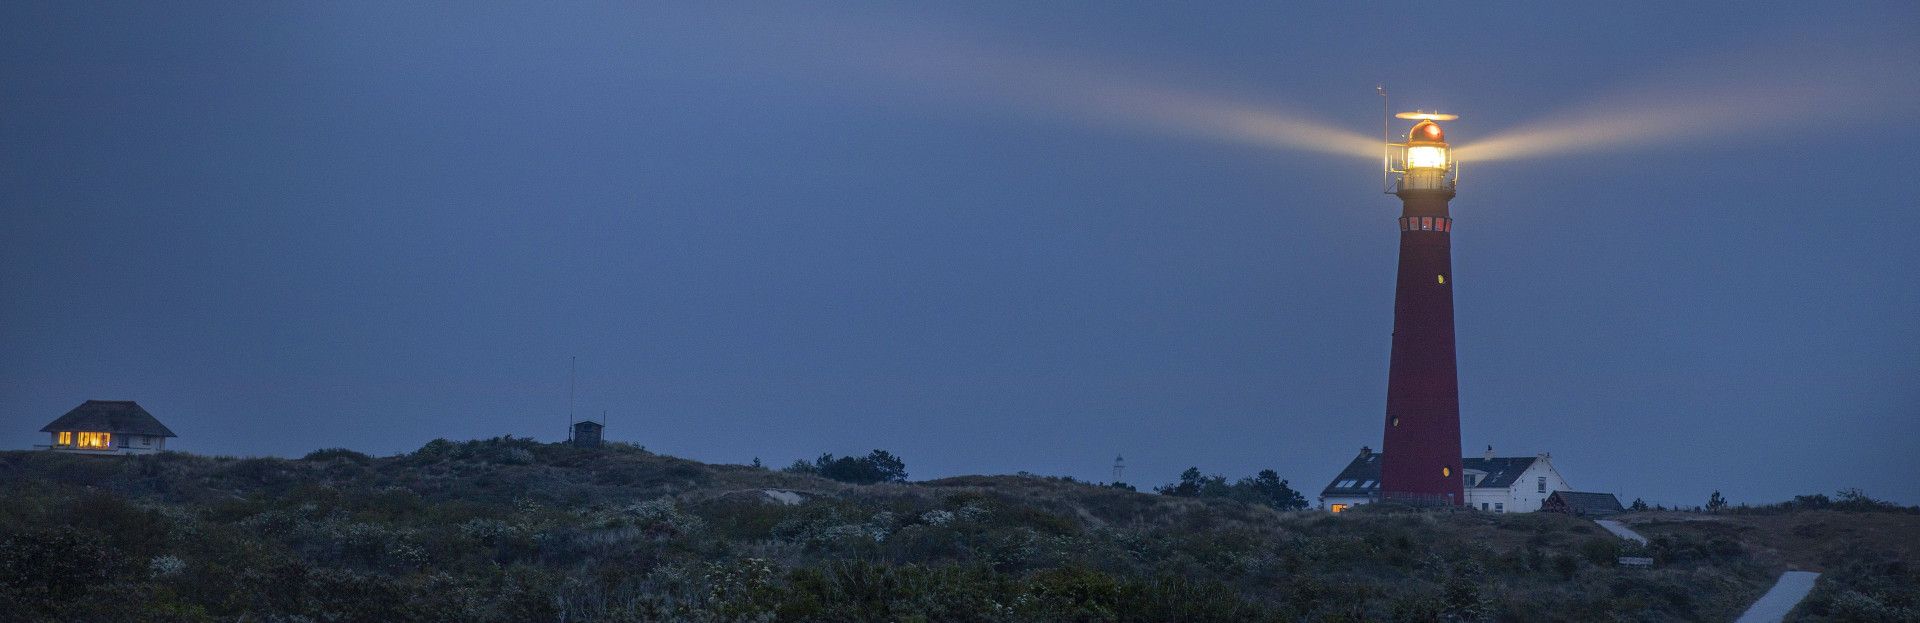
{"x": 1540, "y": 484}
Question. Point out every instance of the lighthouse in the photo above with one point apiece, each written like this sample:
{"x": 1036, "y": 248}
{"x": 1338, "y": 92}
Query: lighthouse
{"x": 1420, "y": 456}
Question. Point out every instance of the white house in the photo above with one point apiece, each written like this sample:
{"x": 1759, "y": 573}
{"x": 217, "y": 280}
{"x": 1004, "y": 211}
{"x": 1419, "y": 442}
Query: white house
{"x": 1492, "y": 484}
{"x": 108, "y": 427}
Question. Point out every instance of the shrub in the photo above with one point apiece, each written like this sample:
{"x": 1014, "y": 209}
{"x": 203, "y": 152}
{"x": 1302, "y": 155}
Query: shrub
{"x": 1265, "y": 488}
{"x": 162, "y": 566}
{"x": 877, "y": 466}
{"x": 44, "y": 572}
{"x": 341, "y": 454}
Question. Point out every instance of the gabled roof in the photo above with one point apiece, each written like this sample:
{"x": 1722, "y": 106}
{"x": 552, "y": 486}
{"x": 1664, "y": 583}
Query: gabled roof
{"x": 1362, "y": 476}
{"x": 120, "y": 417}
{"x": 1501, "y": 472}
{"x": 1583, "y": 503}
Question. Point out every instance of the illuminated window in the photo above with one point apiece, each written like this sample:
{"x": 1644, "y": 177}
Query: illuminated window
{"x": 94, "y": 440}
{"x": 1446, "y": 472}
{"x": 1441, "y": 278}
{"x": 66, "y": 438}
{"x": 1338, "y": 507}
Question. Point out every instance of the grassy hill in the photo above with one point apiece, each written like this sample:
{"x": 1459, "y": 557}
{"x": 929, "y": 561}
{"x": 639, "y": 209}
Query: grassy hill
{"x": 515, "y": 530}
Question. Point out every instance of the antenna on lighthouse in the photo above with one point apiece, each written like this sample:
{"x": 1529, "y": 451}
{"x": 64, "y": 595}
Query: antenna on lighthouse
{"x": 1386, "y": 138}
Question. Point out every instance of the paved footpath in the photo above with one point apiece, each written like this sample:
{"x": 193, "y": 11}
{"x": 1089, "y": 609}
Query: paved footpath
{"x": 1792, "y": 587}
{"x": 1779, "y": 600}
{"x": 1621, "y": 530}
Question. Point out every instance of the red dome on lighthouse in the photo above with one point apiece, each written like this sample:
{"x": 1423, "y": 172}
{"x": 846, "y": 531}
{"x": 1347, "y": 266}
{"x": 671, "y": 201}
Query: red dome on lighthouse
{"x": 1426, "y": 132}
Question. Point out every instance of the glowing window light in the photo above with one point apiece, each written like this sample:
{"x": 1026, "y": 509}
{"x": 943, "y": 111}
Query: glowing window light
{"x": 1441, "y": 278}
{"x": 66, "y": 438}
{"x": 1426, "y": 157}
{"x": 1446, "y": 472}
{"x": 94, "y": 440}
{"x": 1338, "y": 507}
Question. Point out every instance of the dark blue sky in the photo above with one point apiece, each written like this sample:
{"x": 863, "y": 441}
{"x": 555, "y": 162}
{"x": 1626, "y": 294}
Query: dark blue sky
{"x": 987, "y": 237}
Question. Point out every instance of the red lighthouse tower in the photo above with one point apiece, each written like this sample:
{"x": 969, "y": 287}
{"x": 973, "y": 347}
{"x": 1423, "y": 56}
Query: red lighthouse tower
{"x": 1420, "y": 457}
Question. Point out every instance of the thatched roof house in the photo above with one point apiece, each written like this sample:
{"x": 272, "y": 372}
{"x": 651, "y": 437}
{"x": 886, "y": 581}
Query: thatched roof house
{"x": 108, "y": 427}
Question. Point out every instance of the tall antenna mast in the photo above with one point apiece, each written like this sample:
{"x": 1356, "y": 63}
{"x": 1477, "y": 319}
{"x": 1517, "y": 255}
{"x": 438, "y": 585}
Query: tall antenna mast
{"x": 1386, "y": 138}
{"x": 571, "y": 361}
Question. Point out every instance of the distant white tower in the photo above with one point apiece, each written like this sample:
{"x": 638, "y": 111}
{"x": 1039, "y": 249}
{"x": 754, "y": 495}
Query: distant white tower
{"x": 1119, "y": 468}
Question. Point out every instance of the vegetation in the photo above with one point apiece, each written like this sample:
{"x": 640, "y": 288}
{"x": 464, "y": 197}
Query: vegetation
{"x": 515, "y": 530}
{"x": 877, "y": 466}
{"x": 1866, "y": 549}
{"x": 1266, "y": 488}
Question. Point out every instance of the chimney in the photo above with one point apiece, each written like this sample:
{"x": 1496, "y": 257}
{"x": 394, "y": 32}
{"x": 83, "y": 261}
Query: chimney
{"x": 1489, "y": 454}
{"x": 1365, "y": 452}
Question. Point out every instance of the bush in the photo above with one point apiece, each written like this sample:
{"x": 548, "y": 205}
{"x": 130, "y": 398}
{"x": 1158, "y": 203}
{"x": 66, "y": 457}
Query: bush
{"x": 43, "y": 573}
{"x": 1265, "y": 488}
{"x": 877, "y": 466}
{"x": 342, "y": 454}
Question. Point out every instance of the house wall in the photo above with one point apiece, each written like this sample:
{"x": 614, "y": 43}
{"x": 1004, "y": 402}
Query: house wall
{"x": 1327, "y": 502}
{"x": 1526, "y": 492}
{"x": 133, "y": 445}
{"x": 1481, "y": 498}
{"x": 1525, "y": 495}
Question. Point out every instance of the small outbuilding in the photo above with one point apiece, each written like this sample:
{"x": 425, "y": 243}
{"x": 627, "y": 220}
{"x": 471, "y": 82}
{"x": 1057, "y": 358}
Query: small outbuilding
{"x": 1581, "y": 504}
{"x": 108, "y": 427}
{"x": 586, "y": 433}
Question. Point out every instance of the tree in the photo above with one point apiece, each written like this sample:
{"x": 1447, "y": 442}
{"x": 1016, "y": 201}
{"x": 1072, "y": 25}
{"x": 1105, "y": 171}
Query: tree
{"x": 1192, "y": 484}
{"x": 1267, "y": 488}
{"x": 1638, "y": 505}
{"x": 1716, "y": 503}
{"x": 877, "y": 466}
